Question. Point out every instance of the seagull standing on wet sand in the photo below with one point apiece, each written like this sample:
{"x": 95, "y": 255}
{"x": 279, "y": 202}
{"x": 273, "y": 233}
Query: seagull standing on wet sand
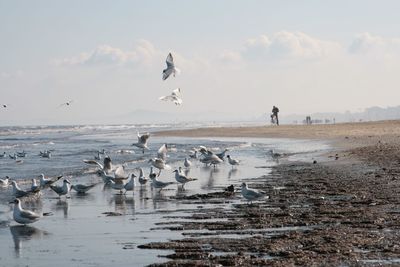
{"x": 187, "y": 163}
{"x": 142, "y": 179}
{"x": 233, "y": 162}
{"x": 251, "y": 194}
{"x": 171, "y": 69}
{"x": 23, "y": 216}
{"x": 17, "y": 191}
{"x": 81, "y": 188}
{"x": 159, "y": 184}
{"x": 181, "y": 178}
{"x": 48, "y": 181}
{"x": 62, "y": 190}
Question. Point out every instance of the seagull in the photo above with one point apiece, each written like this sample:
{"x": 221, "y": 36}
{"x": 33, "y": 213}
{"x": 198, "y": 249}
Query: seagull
{"x": 3, "y": 155}
{"x": 211, "y": 159}
{"x": 273, "y": 154}
{"x": 4, "y": 182}
{"x": 15, "y": 157}
{"x": 162, "y": 152}
{"x": 17, "y": 191}
{"x": 106, "y": 166}
{"x": 175, "y": 97}
{"x": 4, "y": 105}
{"x": 251, "y": 194}
{"x": 129, "y": 186}
{"x": 103, "y": 151}
{"x": 45, "y": 154}
{"x": 193, "y": 155}
{"x": 21, "y": 154}
{"x": 68, "y": 103}
{"x": 159, "y": 164}
{"x": 222, "y": 154}
{"x": 106, "y": 177}
{"x": 117, "y": 186}
{"x": 34, "y": 187}
{"x": 171, "y": 69}
{"x": 81, "y": 188}
{"x": 152, "y": 174}
{"x": 233, "y": 162}
{"x": 159, "y": 184}
{"x": 142, "y": 179}
{"x": 62, "y": 190}
{"x": 142, "y": 141}
{"x": 187, "y": 163}
{"x": 181, "y": 178}
{"x": 98, "y": 157}
{"x": 48, "y": 181}
{"x": 23, "y": 216}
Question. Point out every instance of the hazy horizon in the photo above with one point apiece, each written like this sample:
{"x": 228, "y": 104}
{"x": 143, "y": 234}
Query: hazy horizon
{"x": 236, "y": 57}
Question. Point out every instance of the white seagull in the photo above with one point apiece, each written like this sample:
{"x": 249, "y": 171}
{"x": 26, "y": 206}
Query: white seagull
{"x": 129, "y": 186}
{"x": 142, "y": 141}
{"x": 187, "y": 163}
{"x": 233, "y": 162}
{"x": 251, "y": 194}
{"x": 142, "y": 179}
{"x": 159, "y": 164}
{"x": 3, "y": 155}
{"x": 23, "y": 216}
{"x": 162, "y": 152}
{"x": 171, "y": 69}
{"x": 34, "y": 187}
{"x": 159, "y": 184}
{"x": 68, "y": 103}
{"x": 4, "y": 182}
{"x": 175, "y": 97}
{"x": 81, "y": 188}
{"x": 181, "y": 178}
{"x": 17, "y": 191}
{"x": 48, "y": 181}
{"x": 62, "y": 190}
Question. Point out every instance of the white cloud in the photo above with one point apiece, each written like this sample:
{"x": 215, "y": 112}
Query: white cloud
{"x": 288, "y": 45}
{"x": 374, "y": 45}
{"x": 143, "y": 53}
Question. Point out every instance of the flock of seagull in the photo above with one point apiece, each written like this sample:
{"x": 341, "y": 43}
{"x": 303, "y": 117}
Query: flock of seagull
{"x": 115, "y": 176}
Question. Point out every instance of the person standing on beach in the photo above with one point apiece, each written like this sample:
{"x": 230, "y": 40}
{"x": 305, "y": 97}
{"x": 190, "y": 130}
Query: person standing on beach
{"x": 275, "y": 111}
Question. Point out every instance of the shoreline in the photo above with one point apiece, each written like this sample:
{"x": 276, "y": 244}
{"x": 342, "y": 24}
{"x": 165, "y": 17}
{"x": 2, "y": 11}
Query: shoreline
{"x": 342, "y": 210}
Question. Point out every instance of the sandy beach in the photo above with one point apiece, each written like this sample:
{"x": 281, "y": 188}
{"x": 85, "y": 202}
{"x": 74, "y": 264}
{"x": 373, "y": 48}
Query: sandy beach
{"x": 340, "y": 210}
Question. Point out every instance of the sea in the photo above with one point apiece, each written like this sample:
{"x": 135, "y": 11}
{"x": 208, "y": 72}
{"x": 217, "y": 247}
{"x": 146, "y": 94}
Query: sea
{"x": 78, "y": 230}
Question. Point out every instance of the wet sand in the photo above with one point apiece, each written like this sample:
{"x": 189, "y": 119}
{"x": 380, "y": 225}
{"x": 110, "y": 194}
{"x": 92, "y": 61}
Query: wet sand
{"x": 342, "y": 210}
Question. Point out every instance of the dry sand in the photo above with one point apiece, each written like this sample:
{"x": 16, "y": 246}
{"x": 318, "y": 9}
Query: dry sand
{"x": 343, "y": 212}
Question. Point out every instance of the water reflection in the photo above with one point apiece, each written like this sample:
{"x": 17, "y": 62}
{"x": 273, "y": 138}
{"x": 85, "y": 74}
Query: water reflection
{"x": 24, "y": 233}
{"x": 160, "y": 201}
{"x": 143, "y": 197}
{"x": 123, "y": 203}
{"x": 62, "y": 205}
{"x": 232, "y": 172}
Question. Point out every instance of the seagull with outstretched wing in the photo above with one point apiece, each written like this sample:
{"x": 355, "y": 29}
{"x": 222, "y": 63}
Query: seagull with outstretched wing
{"x": 171, "y": 69}
{"x": 175, "y": 97}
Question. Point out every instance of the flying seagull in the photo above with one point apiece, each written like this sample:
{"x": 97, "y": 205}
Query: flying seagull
{"x": 68, "y": 103}
{"x": 175, "y": 97}
{"x": 171, "y": 69}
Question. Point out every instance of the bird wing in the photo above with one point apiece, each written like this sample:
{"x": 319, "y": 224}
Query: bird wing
{"x": 176, "y": 92}
{"x": 167, "y": 98}
{"x": 143, "y": 138}
{"x": 162, "y": 152}
{"x": 93, "y": 162}
{"x": 170, "y": 61}
{"x": 29, "y": 214}
{"x": 119, "y": 173}
{"x": 178, "y": 101}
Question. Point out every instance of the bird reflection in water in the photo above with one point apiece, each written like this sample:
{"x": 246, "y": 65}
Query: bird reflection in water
{"x": 62, "y": 205}
{"x": 123, "y": 203}
{"x": 24, "y": 233}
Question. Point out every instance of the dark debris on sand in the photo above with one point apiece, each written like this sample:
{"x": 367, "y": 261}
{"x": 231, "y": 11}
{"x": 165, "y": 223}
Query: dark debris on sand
{"x": 342, "y": 214}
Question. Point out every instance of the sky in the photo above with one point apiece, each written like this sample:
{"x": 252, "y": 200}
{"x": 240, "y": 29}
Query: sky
{"x": 236, "y": 57}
